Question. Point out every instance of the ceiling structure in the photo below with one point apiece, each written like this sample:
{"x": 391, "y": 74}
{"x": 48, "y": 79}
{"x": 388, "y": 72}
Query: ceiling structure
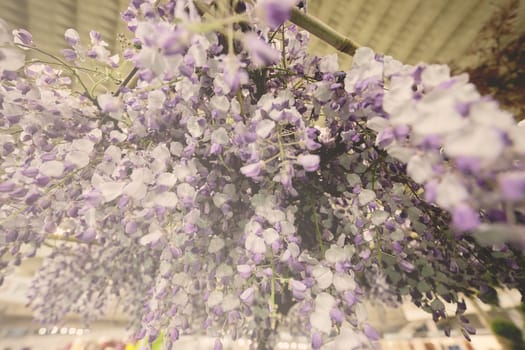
{"x": 410, "y": 30}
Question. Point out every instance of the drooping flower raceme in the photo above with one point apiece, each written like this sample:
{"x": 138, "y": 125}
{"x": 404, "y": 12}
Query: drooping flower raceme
{"x": 241, "y": 179}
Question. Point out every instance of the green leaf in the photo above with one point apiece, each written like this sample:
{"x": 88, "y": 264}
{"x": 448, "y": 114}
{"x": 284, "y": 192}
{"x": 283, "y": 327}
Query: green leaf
{"x": 393, "y": 275}
{"x": 427, "y": 271}
{"x": 424, "y": 287}
{"x": 437, "y": 304}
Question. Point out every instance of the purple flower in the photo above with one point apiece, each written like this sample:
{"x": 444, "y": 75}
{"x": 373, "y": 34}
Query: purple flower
{"x": 371, "y": 333}
{"x": 247, "y": 296}
{"x": 72, "y": 37}
{"x": 233, "y": 73}
{"x": 298, "y": 289}
{"x": 252, "y": 170}
{"x": 317, "y": 341}
{"x": 385, "y": 137}
{"x": 131, "y": 227}
{"x": 464, "y": 218}
{"x": 172, "y": 42}
{"x": 350, "y": 298}
{"x": 23, "y": 37}
{"x": 218, "y": 344}
{"x": 174, "y": 334}
{"x": 108, "y": 103}
{"x": 11, "y": 236}
{"x": 87, "y": 235}
{"x": 245, "y": 271}
{"x": 32, "y": 198}
{"x": 406, "y": 266}
{"x": 337, "y": 315}
{"x": 512, "y": 186}
{"x": 276, "y": 12}
{"x": 261, "y": 53}
{"x": 69, "y": 54}
{"x": 310, "y": 162}
{"x": 7, "y": 186}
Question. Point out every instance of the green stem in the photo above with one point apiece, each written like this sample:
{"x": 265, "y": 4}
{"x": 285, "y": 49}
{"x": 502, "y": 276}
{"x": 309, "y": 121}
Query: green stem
{"x": 317, "y": 230}
{"x": 67, "y": 66}
{"x": 273, "y": 306}
{"x": 282, "y": 154}
{"x": 323, "y": 32}
{"x": 67, "y": 239}
{"x": 283, "y": 49}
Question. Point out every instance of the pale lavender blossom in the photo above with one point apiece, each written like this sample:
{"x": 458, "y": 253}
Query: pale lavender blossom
{"x": 371, "y": 333}
{"x": 22, "y": 36}
{"x": 512, "y": 186}
{"x": 108, "y": 103}
{"x": 72, "y": 37}
{"x": 252, "y": 170}
{"x": 275, "y": 12}
{"x": 261, "y": 53}
{"x": 310, "y": 162}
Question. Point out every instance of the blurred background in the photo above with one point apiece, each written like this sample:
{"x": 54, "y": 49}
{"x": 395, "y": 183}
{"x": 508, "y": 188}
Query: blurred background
{"x": 482, "y": 37}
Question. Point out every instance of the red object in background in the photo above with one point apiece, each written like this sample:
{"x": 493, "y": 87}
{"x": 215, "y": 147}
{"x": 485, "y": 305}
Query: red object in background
{"x": 112, "y": 344}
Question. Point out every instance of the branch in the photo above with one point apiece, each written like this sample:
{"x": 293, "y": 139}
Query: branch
{"x": 126, "y": 81}
{"x": 67, "y": 239}
{"x": 323, "y": 32}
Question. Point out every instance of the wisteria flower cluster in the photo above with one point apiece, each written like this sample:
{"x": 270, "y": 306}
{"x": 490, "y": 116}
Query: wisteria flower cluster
{"x": 233, "y": 183}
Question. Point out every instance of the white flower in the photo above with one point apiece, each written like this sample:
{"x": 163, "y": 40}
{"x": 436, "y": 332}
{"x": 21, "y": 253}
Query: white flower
{"x": 379, "y": 217}
{"x": 517, "y": 135}
{"x": 166, "y": 199}
{"x": 11, "y": 59}
{"x": 135, "y": 189}
{"x": 166, "y": 179}
{"x": 111, "y": 190}
{"x": 488, "y": 113}
{"x": 152, "y": 237}
{"x": 398, "y": 96}
{"x": 329, "y": 63}
{"x": 324, "y": 302}
{"x": 156, "y": 100}
{"x": 364, "y": 67}
{"x": 230, "y": 303}
{"x": 220, "y": 103}
{"x": 270, "y": 235}
{"x": 53, "y": 168}
{"x": 194, "y": 126}
{"x": 264, "y": 128}
{"x": 440, "y": 121}
{"x": 419, "y": 168}
{"x": 108, "y": 103}
{"x": 220, "y": 136}
{"x": 378, "y": 123}
{"x": 323, "y": 276}
{"x": 366, "y": 196}
{"x": 348, "y": 339}
{"x": 336, "y": 254}
{"x": 78, "y": 158}
{"x": 343, "y": 282}
{"x": 255, "y": 244}
{"x": 321, "y": 321}
{"x": 450, "y": 192}
{"x": 215, "y": 298}
{"x": 216, "y": 244}
{"x": 434, "y": 75}
{"x": 481, "y": 142}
